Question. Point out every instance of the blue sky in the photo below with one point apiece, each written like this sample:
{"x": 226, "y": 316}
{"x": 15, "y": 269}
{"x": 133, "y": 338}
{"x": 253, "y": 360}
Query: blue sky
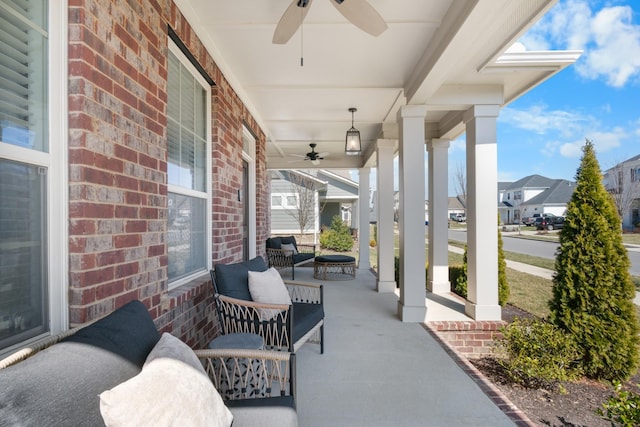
{"x": 596, "y": 98}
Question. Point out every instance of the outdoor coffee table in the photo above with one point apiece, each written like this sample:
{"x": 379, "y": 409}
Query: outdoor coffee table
{"x": 334, "y": 267}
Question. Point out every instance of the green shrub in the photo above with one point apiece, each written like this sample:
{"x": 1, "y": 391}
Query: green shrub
{"x": 396, "y": 270}
{"x": 538, "y": 354}
{"x": 460, "y": 282}
{"x": 623, "y": 409}
{"x": 457, "y": 277}
{"x": 503, "y": 283}
{"x": 592, "y": 289}
{"x": 337, "y": 237}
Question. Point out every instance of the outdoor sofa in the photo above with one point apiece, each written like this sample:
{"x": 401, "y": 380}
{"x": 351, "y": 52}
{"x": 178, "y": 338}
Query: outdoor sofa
{"x": 286, "y": 325}
{"x": 121, "y": 371}
{"x": 286, "y": 253}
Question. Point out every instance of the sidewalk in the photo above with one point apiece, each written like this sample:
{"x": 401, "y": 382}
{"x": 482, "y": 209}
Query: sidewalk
{"x": 533, "y": 270}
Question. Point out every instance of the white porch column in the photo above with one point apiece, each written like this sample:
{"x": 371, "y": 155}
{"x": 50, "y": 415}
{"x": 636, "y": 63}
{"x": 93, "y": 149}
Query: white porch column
{"x": 438, "y": 281}
{"x": 412, "y": 305}
{"x": 385, "y": 224}
{"x": 363, "y": 218}
{"x": 482, "y": 213}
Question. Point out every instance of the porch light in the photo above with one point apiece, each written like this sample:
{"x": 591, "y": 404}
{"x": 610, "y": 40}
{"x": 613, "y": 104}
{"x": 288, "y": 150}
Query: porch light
{"x": 352, "y": 146}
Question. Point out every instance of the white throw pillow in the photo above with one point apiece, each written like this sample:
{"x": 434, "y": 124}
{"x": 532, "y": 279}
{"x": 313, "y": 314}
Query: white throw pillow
{"x": 267, "y": 287}
{"x": 289, "y": 247}
{"x": 170, "y": 391}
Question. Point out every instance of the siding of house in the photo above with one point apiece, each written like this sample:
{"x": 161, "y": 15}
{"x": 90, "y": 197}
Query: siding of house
{"x": 118, "y": 166}
{"x": 340, "y": 190}
{"x": 283, "y": 222}
{"x": 329, "y": 210}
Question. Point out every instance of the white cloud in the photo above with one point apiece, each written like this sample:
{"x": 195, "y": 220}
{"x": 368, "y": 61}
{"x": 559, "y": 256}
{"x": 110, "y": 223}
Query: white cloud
{"x": 609, "y": 38}
{"x": 616, "y": 54}
{"x": 602, "y": 142}
{"x": 571, "y": 149}
{"x": 540, "y": 120}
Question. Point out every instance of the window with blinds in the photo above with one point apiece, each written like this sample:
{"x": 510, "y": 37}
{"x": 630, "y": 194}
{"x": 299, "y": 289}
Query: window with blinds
{"x": 187, "y": 136}
{"x": 24, "y": 292}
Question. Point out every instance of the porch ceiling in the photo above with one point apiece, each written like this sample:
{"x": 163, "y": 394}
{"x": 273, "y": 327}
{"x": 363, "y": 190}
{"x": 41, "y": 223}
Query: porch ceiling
{"x": 448, "y": 54}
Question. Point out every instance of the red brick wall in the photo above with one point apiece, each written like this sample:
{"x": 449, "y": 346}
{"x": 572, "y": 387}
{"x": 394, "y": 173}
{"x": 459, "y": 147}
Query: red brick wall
{"x": 118, "y": 166}
{"x": 472, "y": 339}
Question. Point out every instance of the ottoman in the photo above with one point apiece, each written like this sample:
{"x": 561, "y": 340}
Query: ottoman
{"x": 334, "y": 267}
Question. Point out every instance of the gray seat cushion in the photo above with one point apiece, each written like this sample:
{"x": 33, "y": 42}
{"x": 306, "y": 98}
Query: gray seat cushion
{"x": 305, "y": 317}
{"x": 59, "y": 386}
{"x": 335, "y": 258}
{"x": 302, "y": 256}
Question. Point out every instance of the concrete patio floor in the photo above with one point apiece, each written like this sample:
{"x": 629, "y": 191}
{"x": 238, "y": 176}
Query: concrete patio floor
{"x": 378, "y": 371}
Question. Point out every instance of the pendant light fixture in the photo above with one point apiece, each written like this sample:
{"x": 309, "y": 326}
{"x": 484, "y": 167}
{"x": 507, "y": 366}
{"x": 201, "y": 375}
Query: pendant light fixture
{"x": 352, "y": 145}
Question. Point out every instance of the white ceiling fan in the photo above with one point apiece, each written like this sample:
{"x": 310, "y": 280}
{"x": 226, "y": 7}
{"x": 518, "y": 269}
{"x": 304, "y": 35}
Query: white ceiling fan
{"x": 359, "y": 12}
{"x": 313, "y": 155}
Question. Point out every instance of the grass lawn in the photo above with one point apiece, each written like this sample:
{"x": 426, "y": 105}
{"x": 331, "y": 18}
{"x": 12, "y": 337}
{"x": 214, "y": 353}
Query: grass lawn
{"x": 530, "y": 293}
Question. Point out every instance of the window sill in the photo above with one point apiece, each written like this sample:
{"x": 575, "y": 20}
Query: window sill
{"x": 197, "y": 287}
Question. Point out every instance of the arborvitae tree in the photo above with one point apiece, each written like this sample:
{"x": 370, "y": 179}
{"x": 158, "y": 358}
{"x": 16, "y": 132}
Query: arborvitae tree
{"x": 592, "y": 289}
{"x": 503, "y": 284}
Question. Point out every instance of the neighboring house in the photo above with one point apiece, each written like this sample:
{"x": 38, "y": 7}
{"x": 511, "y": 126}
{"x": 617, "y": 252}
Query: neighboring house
{"x": 513, "y": 198}
{"x": 331, "y": 194}
{"x": 294, "y": 195}
{"x": 553, "y": 200}
{"x": 456, "y": 206}
{"x": 339, "y": 197}
{"x": 623, "y": 183}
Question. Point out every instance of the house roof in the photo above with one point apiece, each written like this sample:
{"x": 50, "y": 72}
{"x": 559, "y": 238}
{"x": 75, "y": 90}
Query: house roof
{"x": 455, "y": 203}
{"x": 447, "y": 55}
{"x": 632, "y": 159}
{"x": 338, "y": 177}
{"x": 278, "y": 174}
{"x": 559, "y": 192}
{"x": 532, "y": 181}
{"x": 503, "y": 185}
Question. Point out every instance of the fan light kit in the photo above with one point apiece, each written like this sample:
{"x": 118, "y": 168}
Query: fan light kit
{"x": 352, "y": 145}
{"x": 359, "y": 12}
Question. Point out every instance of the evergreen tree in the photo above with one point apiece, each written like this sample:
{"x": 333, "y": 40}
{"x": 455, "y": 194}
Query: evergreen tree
{"x": 592, "y": 289}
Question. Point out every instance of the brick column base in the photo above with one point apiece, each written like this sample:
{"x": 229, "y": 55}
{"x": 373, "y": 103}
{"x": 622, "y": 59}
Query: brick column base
{"x": 471, "y": 339}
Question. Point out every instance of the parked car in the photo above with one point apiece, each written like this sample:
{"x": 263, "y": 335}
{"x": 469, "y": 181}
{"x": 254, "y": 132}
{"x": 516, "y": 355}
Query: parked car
{"x": 458, "y": 217}
{"x": 530, "y": 220}
{"x": 549, "y": 223}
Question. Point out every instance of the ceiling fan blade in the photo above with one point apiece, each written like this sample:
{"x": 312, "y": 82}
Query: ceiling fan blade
{"x": 290, "y": 21}
{"x": 321, "y": 155}
{"x": 361, "y": 14}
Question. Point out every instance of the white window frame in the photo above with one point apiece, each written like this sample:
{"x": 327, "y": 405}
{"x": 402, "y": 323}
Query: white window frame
{"x": 284, "y": 203}
{"x": 249, "y": 142}
{"x": 192, "y": 193}
{"x": 55, "y": 160}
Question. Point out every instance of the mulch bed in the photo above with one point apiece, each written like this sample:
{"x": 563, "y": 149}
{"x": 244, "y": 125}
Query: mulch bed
{"x": 576, "y": 407}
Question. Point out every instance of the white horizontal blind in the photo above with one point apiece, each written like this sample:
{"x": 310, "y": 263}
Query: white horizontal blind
{"x": 23, "y": 56}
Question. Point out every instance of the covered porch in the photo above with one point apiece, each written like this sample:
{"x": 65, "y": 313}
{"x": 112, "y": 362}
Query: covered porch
{"x": 377, "y": 371}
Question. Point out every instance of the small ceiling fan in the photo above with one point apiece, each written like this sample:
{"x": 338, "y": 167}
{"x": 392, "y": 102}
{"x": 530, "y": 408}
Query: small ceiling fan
{"x": 359, "y": 12}
{"x": 313, "y": 155}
